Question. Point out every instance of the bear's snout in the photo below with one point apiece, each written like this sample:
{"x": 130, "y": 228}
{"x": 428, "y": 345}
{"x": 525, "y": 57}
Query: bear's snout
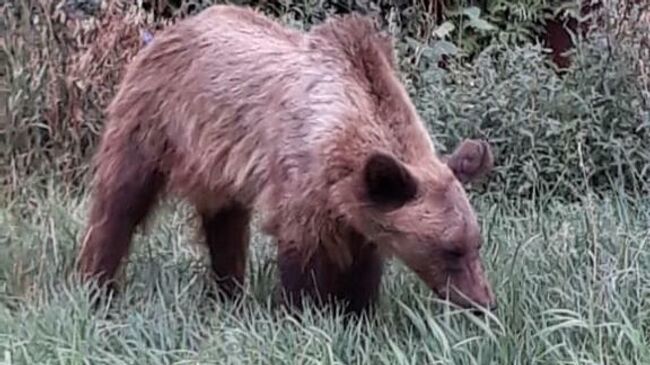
{"x": 469, "y": 287}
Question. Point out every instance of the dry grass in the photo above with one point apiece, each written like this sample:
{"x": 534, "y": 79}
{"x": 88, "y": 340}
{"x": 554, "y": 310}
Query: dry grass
{"x": 62, "y": 69}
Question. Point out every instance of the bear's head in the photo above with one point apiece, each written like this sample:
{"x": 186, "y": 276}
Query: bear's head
{"x": 423, "y": 216}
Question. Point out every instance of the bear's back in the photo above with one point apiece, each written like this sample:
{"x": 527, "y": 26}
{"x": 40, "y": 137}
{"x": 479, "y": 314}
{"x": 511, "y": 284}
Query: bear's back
{"x": 222, "y": 47}
{"x": 233, "y": 94}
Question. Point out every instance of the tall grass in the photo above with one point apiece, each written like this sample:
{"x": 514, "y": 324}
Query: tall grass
{"x": 573, "y": 283}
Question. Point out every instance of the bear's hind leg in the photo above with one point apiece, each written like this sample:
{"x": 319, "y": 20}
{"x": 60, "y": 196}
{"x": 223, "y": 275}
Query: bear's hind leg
{"x": 125, "y": 190}
{"x": 227, "y": 234}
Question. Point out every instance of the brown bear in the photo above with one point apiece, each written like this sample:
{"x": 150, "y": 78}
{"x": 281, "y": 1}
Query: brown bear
{"x": 235, "y": 113}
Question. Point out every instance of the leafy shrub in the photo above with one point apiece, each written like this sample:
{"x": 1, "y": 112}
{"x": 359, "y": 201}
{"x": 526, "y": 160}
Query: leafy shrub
{"x": 552, "y": 135}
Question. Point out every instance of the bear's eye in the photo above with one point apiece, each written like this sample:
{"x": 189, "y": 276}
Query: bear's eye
{"x": 453, "y": 262}
{"x": 454, "y": 254}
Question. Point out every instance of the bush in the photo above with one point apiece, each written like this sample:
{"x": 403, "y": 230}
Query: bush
{"x": 552, "y": 135}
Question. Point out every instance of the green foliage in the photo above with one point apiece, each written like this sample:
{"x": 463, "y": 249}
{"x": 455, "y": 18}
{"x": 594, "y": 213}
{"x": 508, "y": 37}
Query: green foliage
{"x": 521, "y": 20}
{"x": 552, "y": 135}
{"x": 470, "y": 26}
{"x": 463, "y": 34}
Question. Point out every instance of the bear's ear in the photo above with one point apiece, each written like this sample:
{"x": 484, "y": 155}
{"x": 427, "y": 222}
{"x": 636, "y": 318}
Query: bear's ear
{"x": 471, "y": 160}
{"x": 388, "y": 184}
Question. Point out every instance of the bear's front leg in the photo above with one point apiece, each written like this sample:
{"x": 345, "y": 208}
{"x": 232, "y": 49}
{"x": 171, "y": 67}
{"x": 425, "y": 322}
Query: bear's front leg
{"x": 360, "y": 282}
{"x": 355, "y": 286}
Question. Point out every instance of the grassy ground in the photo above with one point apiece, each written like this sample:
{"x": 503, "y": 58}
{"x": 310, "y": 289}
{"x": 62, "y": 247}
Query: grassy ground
{"x": 556, "y": 305}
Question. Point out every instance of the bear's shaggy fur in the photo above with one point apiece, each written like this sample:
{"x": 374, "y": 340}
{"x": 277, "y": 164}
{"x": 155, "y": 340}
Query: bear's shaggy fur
{"x": 234, "y": 112}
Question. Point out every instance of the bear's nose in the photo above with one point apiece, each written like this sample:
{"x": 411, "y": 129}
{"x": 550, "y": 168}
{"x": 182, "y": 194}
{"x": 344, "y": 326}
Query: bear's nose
{"x": 491, "y": 307}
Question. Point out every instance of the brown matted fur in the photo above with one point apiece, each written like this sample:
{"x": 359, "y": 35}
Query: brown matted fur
{"x": 234, "y": 113}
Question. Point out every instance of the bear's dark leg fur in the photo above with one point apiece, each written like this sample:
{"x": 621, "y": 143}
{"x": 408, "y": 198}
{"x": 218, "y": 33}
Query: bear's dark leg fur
{"x": 356, "y": 287}
{"x": 313, "y": 280}
{"x": 359, "y": 284}
{"x": 125, "y": 191}
{"x": 227, "y": 234}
